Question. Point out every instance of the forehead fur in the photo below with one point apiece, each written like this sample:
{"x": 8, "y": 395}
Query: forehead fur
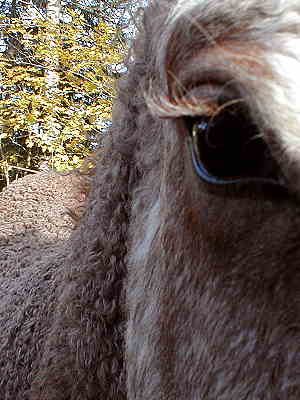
{"x": 198, "y": 24}
{"x": 236, "y": 8}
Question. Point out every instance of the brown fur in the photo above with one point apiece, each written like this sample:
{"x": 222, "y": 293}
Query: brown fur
{"x": 172, "y": 287}
{"x": 37, "y": 211}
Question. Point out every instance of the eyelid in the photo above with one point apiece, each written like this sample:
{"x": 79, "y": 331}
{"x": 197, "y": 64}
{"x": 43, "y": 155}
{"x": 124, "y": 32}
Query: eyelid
{"x": 208, "y": 99}
{"x": 213, "y": 80}
{"x": 206, "y": 94}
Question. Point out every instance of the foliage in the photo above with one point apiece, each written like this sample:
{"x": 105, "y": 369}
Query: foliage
{"x": 57, "y": 87}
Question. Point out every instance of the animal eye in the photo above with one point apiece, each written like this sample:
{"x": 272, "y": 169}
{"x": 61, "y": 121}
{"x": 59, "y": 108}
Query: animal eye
{"x": 227, "y": 148}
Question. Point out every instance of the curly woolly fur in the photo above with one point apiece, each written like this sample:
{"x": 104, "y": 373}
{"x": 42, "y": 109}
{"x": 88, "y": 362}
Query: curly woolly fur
{"x": 37, "y": 211}
{"x": 35, "y": 224}
{"x": 172, "y": 287}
